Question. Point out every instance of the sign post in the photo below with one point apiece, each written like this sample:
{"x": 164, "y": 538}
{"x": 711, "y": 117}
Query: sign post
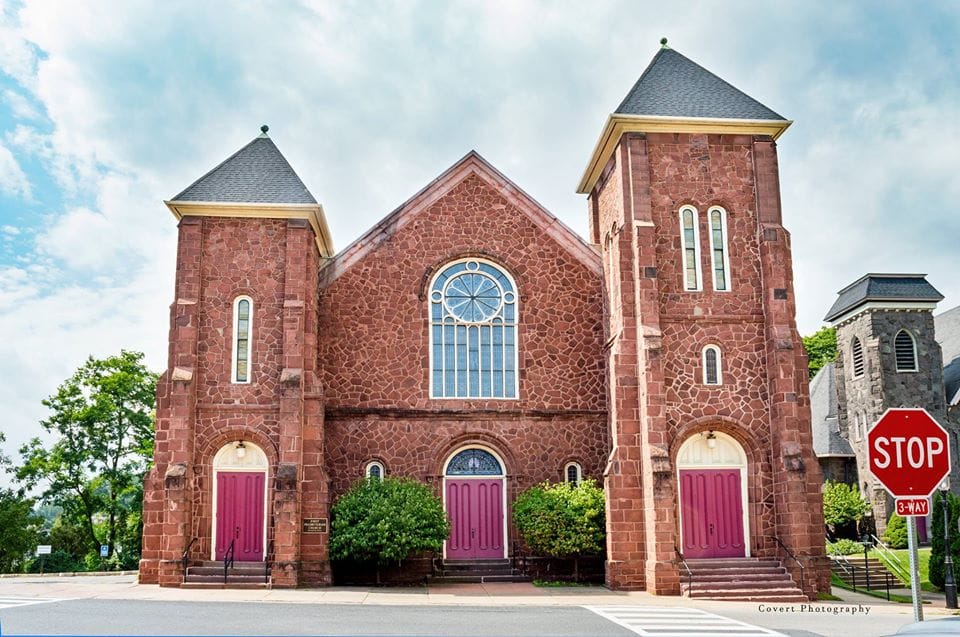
{"x": 909, "y": 454}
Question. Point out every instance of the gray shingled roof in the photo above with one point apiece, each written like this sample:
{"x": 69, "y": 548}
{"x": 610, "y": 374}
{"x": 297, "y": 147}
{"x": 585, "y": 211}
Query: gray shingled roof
{"x": 257, "y": 173}
{"x": 883, "y": 287}
{"x": 674, "y": 86}
{"x": 947, "y": 330}
{"x": 827, "y": 441}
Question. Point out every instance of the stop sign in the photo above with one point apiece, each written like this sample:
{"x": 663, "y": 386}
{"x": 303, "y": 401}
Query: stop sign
{"x": 908, "y": 452}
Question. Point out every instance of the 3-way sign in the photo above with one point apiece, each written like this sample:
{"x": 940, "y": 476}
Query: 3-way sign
{"x": 908, "y": 452}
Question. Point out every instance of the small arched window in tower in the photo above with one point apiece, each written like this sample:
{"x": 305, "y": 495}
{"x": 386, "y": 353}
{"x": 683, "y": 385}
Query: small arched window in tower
{"x": 375, "y": 470}
{"x": 718, "y": 248}
{"x": 711, "y": 365}
{"x": 856, "y": 355}
{"x": 690, "y": 248}
{"x": 572, "y": 473}
{"x": 242, "y": 336}
{"x": 906, "y": 351}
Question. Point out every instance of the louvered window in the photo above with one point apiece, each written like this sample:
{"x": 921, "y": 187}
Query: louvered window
{"x": 718, "y": 249}
{"x": 690, "y": 248}
{"x": 906, "y": 352}
{"x": 242, "y": 336}
{"x": 856, "y": 353}
{"x": 711, "y": 365}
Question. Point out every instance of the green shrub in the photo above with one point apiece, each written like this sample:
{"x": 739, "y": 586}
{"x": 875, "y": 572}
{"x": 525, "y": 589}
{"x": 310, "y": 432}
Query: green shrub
{"x": 561, "y": 520}
{"x": 386, "y": 521}
{"x": 937, "y": 571}
{"x": 895, "y": 536}
{"x": 845, "y": 547}
{"x": 842, "y": 504}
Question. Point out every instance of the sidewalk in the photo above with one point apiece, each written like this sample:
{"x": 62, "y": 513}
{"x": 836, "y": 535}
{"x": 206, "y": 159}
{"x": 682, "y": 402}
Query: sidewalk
{"x": 494, "y": 594}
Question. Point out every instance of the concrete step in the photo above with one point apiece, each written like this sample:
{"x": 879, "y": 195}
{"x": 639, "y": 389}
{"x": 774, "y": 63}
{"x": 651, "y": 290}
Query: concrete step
{"x": 218, "y": 570}
{"x": 739, "y": 585}
{"x": 763, "y": 598}
{"x": 236, "y": 565}
{"x": 743, "y": 577}
{"x": 475, "y": 579}
{"x": 221, "y": 585}
{"x": 769, "y": 571}
{"x": 231, "y": 579}
{"x": 732, "y": 561}
{"x": 747, "y": 593}
{"x": 486, "y": 566}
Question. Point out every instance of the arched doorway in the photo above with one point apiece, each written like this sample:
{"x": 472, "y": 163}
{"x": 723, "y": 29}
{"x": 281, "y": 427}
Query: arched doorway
{"x": 712, "y": 474}
{"x": 239, "y": 501}
{"x": 474, "y": 497}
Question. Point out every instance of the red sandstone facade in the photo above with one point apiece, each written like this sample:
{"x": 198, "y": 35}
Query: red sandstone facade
{"x": 610, "y": 367}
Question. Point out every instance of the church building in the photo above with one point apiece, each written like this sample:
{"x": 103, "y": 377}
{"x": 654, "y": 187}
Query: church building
{"x": 472, "y": 341}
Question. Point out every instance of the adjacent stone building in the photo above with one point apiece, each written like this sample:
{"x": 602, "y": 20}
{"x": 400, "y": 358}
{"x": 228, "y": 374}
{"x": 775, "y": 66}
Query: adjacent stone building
{"x": 472, "y": 341}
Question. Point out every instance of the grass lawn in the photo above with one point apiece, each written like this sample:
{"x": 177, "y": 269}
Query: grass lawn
{"x": 923, "y": 565}
{"x": 901, "y": 599}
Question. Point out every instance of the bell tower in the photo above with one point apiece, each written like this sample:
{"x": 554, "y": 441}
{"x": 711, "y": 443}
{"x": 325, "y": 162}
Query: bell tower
{"x": 684, "y": 202}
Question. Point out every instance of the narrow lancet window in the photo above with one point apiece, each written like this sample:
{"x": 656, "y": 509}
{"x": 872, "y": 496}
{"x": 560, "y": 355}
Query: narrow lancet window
{"x": 718, "y": 249}
{"x": 711, "y": 365}
{"x": 690, "y": 245}
{"x": 242, "y": 336}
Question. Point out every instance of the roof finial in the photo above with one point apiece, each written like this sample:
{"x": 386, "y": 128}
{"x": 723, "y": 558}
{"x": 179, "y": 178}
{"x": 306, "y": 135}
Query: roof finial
{"x": 264, "y": 129}
{"x": 663, "y": 43}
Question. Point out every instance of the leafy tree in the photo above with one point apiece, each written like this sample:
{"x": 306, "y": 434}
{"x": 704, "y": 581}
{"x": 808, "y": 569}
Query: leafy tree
{"x": 821, "y": 348}
{"x": 102, "y": 424}
{"x": 386, "y": 521}
{"x": 562, "y": 520}
{"x": 19, "y": 527}
{"x": 937, "y": 552}
{"x": 895, "y": 535}
{"x": 842, "y": 505}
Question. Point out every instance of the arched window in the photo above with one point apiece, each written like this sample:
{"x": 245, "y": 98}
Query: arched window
{"x": 711, "y": 365}
{"x": 242, "y": 337}
{"x": 719, "y": 259}
{"x": 690, "y": 248}
{"x": 473, "y": 332}
{"x": 375, "y": 470}
{"x": 905, "y": 350}
{"x": 856, "y": 354}
{"x": 572, "y": 473}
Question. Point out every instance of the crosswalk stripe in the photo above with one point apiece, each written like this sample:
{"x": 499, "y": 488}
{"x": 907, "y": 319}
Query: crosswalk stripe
{"x": 13, "y": 602}
{"x": 678, "y": 622}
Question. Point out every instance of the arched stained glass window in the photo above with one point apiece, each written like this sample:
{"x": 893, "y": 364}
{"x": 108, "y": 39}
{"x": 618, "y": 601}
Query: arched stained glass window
{"x": 473, "y": 332}
{"x": 242, "y": 335}
{"x": 474, "y": 462}
{"x": 690, "y": 248}
{"x": 375, "y": 470}
{"x": 718, "y": 248}
{"x": 711, "y": 365}
{"x": 572, "y": 473}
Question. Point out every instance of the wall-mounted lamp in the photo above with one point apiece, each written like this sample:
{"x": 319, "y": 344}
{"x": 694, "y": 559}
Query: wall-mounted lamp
{"x": 241, "y": 449}
{"x": 711, "y": 440}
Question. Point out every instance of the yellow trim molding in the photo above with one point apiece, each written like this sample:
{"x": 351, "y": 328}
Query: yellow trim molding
{"x": 618, "y": 124}
{"x": 313, "y": 213}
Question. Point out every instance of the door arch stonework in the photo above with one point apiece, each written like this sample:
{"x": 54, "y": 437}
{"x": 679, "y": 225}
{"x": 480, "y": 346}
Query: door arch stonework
{"x": 239, "y": 499}
{"x": 475, "y": 500}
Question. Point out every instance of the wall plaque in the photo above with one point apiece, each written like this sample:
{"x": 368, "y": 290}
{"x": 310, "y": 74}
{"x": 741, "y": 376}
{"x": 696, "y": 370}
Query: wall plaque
{"x": 315, "y": 525}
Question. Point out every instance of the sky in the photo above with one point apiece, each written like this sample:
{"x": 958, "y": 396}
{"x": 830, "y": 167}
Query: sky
{"x": 108, "y": 108}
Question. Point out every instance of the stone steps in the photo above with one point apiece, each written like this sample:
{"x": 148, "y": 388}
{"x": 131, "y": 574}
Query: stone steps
{"x": 476, "y": 572}
{"x": 209, "y": 574}
{"x": 740, "y": 579}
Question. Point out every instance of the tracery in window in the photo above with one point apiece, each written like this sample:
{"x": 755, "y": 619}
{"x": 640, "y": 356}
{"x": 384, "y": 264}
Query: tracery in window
{"x": 690, "y": 248}
{"x": 473, "y": 332}
{"x": 711, "y": 365}
{"x": 718, "y": 248}
{"x": 474, "y": 462}
{"x": 242, "y": 335}
{"x": 905, "y": 350}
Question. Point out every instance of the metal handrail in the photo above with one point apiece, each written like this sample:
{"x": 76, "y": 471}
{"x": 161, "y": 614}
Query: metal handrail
{"x": 850, "y": 569}
{"x": 890, "y": 559}
{"x": 686, "y": 567}
{"x": 792, "y": 556}
{"x": 186, "y": 557}
{"x": 228, "y": 560}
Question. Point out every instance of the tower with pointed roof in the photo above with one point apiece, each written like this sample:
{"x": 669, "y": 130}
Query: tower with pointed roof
{"x": 707, "y": 397}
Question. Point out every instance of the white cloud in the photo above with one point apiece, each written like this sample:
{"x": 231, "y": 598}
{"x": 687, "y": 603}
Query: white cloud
{"x": 13, "y": 181}
{"x": 19, "y": 105}
{"x": 10, "y": 230}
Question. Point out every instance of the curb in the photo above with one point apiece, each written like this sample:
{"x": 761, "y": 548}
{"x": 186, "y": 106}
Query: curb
{"x": 78, "y": 574}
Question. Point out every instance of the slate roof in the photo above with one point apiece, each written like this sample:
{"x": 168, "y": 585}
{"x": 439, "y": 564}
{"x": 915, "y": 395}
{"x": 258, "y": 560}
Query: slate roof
{"x": 257, "y": 173}
{"x": 883, "y": 287}
{"x": 827, "y": 441}
{"x": 947, "y": 332}
{"x": 674, "y": 86}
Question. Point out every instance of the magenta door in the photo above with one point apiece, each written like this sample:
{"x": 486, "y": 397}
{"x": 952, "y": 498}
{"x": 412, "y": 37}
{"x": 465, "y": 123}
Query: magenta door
{"x": 475, "y": 509}
{"x": 711, "y": 511}
{"x": 240, "y": 515}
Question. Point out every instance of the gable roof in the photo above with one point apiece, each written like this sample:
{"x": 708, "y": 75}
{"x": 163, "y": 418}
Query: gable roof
{"x": 827, "y": 441}
{"x": 947, "y": 333}
{"x": 257, "y": 173}
{"x": 901, "y": 288}
{"x": 675, "y": 86}
{"x": 471, "y": 164}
